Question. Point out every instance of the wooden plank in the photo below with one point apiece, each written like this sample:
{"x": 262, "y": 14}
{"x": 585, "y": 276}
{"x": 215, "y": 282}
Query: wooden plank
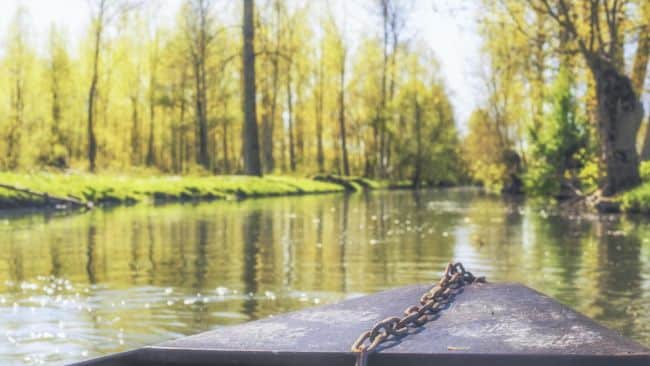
{"x": 488, "y": 324}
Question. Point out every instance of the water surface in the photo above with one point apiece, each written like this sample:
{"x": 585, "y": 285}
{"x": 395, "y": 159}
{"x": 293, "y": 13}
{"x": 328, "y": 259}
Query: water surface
{"x": 75, "y": 286}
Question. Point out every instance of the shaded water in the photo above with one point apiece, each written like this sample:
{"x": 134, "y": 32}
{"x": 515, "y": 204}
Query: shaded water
{"x": 81, "y": 285}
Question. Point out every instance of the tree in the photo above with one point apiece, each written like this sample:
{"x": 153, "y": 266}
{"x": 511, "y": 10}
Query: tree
{"x": 340, "y": 56}
{"x": 392, "y": 15}
{"x": 252, "y": 165}
{"x": 557, "y": 147}
{"x": 18, "y": 62}
{"x": 599, "y": 40}
{"x": 199, "y": 24}
{"x": 164, "y": 96}
{"x": 640, "y": 68}
{"x": 512, "y": 88}
{"x": 99, "y": 20}
{"x": 103, "y": 13}
{"x": 152, "y": 95}
{"x": 272, "y": 43}
{"x": 483, "y": 151}
{"x": 319, "y": 96}
{"x": 59, "y": 75}
{"x": 427, "y": 145}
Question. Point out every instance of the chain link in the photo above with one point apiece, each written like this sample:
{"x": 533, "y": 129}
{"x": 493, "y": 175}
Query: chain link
{"x": 431, "y": 303}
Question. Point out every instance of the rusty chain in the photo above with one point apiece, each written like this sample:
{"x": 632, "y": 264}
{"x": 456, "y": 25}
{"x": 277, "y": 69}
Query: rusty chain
{"x": 431, "y": 302}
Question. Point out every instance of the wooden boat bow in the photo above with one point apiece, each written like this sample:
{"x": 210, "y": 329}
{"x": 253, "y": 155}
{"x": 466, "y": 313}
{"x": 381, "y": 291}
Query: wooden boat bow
{"x": 487, "y": 324}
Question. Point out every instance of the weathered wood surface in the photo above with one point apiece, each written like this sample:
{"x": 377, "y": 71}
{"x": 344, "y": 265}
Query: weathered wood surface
{"x": 487, "y": 324}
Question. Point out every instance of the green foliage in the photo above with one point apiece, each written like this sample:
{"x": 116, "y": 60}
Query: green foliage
{"x": 427, "y": 148}
{"x": 636, "y": 200}
{"x": 644, "y": 170}
{"x": 558, "y": 147}
{"x": 484, "y": 153}
{"x": 103, "y": 189}
{"x": 163, "y": 88}
{"x": 589, "y": 175}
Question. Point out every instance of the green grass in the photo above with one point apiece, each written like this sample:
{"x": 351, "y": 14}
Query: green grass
{"x": 357, "y": 184}
{"x": 636, "y": 200}
{"x": 109, "y": 189}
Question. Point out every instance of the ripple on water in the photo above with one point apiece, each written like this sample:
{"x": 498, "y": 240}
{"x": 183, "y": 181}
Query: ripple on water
{"x": 134, "y": 276}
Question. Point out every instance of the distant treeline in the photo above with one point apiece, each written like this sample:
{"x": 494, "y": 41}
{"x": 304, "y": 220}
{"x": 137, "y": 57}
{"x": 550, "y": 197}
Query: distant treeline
{"x": 138, "y": 93}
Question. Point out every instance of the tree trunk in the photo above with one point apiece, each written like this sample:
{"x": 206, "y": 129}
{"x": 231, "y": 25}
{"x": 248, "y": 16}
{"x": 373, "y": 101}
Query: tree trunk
{"x": 252, "y": 164}
{"x": 267, "y": 131}
{"x": 344, "y": 148}
{"x": 538, "y": 66}
{"x": 224, "y": 137}
{"x": 151, "y": 156}
{"x": 92, "y": 92}
{"x": 92, "y": 140}
{"x": 417, "y": 174}
{"x": 135, "y": 132}
{"x": 320, "y": 154}
{"x": 224, "y": 146}
{"x": 639, "y": 71}
{"x": 292, "y": 152}
{"x": 268, "y": 123}
{"x": 201, "y": 99}
{"x": 202, "y": 125}
{"x": 384, "y": 76}
{"x": 55, "y": 91}
{"x": 619, "y": 117}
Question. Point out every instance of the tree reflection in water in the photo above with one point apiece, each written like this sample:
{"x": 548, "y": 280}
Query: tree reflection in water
{"x": 110, "y": 280}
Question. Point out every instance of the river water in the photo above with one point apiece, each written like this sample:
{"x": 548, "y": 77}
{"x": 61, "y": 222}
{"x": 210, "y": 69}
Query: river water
{"x": 74, "y": 286}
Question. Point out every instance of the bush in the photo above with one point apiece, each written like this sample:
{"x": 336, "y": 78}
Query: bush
{"x": 558, "y": 149}
{"x": 644, "y": 170}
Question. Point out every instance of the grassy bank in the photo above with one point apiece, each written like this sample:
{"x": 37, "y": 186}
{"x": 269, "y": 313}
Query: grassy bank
{"x": 108, "y": 189}
{"x": 356, "y": 184}
{"x": 636, "y": 200}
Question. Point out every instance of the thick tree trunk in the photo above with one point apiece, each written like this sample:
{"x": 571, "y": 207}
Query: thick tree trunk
{"x": 252, "y": 165}
{"x": 639, "y": 71}
{"x": 619, "y": 118}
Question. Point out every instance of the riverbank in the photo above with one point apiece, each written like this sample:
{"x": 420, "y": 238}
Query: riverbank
{"x": 102, "y": 190}
{"x": 22, "y": 190}
{"x": 636, "y": 200}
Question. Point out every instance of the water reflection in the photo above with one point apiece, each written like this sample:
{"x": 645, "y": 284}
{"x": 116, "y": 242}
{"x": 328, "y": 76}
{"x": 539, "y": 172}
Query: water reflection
{"x": 82, "y": 285}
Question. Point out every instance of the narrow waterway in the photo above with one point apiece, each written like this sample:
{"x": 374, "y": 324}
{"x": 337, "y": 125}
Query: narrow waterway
{"x": 74, "y": 286}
